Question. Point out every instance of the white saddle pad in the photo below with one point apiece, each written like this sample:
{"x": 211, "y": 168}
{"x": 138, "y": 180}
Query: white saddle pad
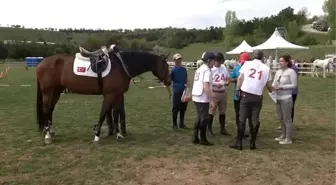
{"x": 82, "y": 67}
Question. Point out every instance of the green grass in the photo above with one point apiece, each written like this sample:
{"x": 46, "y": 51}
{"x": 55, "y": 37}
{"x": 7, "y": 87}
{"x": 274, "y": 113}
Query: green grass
{"x": 153, "y": 153}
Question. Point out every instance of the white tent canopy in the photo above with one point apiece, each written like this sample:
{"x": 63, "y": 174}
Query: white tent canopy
{"x": 243, "y": 47}
{"x": 276, "y": 41}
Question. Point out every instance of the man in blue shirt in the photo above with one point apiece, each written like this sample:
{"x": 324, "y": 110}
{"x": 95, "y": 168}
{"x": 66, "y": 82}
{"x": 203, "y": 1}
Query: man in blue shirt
{"x": 234, "y": 76}
{"x": 179, "y": 77}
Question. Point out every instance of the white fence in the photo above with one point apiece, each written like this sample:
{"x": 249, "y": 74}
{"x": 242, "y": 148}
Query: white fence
{"x": 304, "y": 68}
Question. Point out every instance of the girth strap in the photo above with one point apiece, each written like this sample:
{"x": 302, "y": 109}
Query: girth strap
{"x": 100, "y": 82}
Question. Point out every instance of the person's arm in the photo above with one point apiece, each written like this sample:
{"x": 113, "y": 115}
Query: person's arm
{"x": 172, "y": 74}
{"x": 276, "y": 77}
{"x": 234, "y": 75}
{"x": 240, "y": 81}
{"x": 293, "y": 79}
{"x": 241, "y": 76}
{"x": 228, "y": 80}
{"x": 207, "y": 84}
{"x": 186, "y": 77}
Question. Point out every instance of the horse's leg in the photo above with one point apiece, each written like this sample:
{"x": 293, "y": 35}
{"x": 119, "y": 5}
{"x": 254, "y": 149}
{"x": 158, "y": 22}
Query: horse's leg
{"x": 324, "y": 72}
{"x": 47, "y": 96}
{"x": 314, "y": 71}
{"x": 107, "y": 102}
{"x": 54, "y": 100}
{"x": 116, "y": 115}
{"x": 109, "y": 121}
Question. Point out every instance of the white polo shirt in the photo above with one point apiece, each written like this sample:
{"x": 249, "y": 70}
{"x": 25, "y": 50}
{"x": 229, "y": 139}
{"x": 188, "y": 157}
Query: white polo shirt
{"x": 202, "y": 74}
{"x": 256, "y": 75}
{"x": 219, "y": 77}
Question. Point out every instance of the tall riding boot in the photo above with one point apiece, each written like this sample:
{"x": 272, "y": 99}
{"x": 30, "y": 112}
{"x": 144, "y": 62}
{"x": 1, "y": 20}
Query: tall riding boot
{"x": 181, "y": 123}
{"x": 210, "y": 124}
{"x": 222, "y": 125}
{"x": 203, "y": 127}
{"x": 252, "y": 140}
{"x": 254, "y": 133}
{"x": 240, "y": 134}
{"x": 174, "y": 120}
{"x": 195, "y": 139}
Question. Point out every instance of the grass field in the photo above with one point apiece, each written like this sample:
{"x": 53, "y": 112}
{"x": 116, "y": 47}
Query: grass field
{"x": 153, "y": 153}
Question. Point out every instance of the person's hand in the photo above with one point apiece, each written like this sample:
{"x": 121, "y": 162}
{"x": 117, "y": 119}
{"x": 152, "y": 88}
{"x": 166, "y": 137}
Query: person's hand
{"x": 227, "y": 83}
{"x": 276, "y": 87}
{"x": 239, "y": 93}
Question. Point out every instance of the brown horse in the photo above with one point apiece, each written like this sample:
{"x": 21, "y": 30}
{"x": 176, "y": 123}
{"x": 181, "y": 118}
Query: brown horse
{"x": 55, "y": 73}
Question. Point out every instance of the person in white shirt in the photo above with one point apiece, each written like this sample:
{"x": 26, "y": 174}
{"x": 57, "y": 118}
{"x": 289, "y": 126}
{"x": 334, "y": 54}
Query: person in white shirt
{"x": 254, "y": 75}
{"x": 202, "y": 96}
{"x": 220, "y": 81}
{"x": 285, "y": 80}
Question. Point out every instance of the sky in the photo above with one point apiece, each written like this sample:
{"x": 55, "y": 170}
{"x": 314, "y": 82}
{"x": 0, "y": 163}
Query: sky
{"x": 130, "y": 14}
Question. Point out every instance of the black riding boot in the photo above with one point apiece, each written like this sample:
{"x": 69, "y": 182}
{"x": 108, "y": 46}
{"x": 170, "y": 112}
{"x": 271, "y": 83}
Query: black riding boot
{"x": 195, "y": 139}
{"x": 210, "y": 124}
{"x": 254, "y": 133}
{"x": 240, "y": 134}
{"x": 203, "y": 127}
{"x": 174, "y": 120}
{"x": 252, "y": 140}
{"x": 182, "y": 125}
{"x": 222, "y": 125}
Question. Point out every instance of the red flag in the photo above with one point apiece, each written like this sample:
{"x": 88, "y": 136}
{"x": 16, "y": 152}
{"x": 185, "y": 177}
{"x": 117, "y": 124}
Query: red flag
{"x": 81, "y": 69}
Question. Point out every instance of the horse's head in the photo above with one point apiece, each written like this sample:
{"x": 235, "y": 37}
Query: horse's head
{"x": 334, "y": 58}
{"x": 161, "y": 70}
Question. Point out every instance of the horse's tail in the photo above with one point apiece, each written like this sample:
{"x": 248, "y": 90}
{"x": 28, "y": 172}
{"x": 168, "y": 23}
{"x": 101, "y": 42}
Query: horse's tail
{"x": 39, "y": 108}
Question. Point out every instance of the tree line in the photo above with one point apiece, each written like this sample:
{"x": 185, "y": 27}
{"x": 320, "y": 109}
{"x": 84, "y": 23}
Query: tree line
{"x": 254, "y": 31}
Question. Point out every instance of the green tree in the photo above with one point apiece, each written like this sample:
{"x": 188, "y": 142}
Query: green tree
{"x": 293, "y": 31}
{"x": 329, "y": 8}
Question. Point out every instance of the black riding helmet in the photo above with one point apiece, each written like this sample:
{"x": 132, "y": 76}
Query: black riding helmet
{"x": 208, "y": 56}
{"x": 220, "y": 57}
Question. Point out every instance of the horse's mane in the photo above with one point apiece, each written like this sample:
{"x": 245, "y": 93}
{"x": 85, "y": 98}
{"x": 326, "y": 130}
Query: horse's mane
{"x": 138, "y": 61}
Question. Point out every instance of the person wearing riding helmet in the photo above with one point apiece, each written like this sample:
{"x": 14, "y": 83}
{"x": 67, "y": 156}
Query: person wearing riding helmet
{"x": 220, "y": 77}
{"x": 234, "y": 76}
{"x": 202, "y": 95}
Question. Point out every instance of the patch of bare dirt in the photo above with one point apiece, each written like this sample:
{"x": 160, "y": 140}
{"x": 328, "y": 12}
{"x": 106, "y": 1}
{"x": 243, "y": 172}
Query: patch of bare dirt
{"x": 167, "y": 171}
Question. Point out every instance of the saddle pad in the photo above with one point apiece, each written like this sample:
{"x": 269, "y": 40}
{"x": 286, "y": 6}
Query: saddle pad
{"x": 82, "y": 67}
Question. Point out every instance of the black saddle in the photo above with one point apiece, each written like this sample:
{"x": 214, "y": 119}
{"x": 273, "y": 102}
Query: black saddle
{"x": 99, "y": 59}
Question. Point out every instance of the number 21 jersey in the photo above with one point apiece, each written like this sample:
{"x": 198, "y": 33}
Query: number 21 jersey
{"x": 256, "y": 75}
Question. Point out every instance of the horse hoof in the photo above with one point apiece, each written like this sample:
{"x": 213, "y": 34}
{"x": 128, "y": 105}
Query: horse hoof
{"x": 47, "y": 141}
{"x": 119, "y": 136}
{"x": 96, "y": 139}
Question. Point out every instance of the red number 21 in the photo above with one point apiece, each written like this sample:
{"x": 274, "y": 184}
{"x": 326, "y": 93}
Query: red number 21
{"x": 253, "y": 72}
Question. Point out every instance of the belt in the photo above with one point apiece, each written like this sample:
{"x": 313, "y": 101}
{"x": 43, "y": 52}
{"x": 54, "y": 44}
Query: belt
{"x": 251, "y": 94}
{"x": 223, "y": 91}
